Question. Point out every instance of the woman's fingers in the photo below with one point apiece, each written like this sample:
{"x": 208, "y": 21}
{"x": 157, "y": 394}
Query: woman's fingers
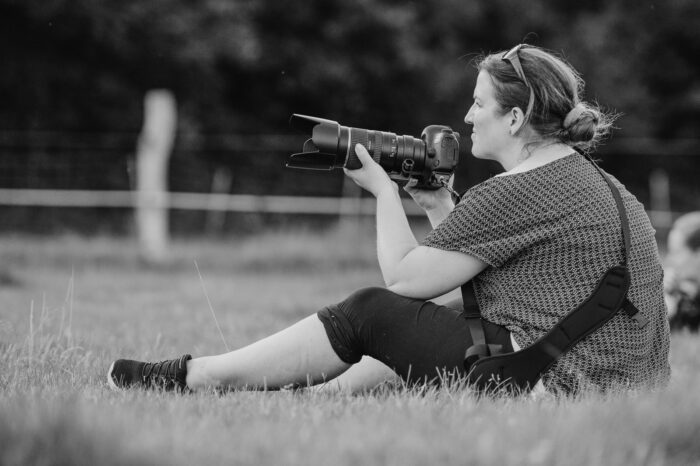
{"x": 362, "y": 154}
{"x": 370, "y": 176}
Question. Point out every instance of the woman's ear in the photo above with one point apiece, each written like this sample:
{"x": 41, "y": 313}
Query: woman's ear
{"x": 516, "y": 118}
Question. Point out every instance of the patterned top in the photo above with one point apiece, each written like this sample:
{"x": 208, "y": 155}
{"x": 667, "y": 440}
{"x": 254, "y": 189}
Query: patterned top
{"x": 549, "y": 235}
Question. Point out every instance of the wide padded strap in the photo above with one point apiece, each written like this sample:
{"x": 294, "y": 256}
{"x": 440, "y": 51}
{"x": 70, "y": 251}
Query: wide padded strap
{"x": 521, "y": 370}
{"x": 631, "y": 311}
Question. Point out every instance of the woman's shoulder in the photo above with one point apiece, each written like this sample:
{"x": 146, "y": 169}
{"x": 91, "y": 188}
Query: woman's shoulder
{"x": 542, "y": 187}
{"x": 569, "y": 165}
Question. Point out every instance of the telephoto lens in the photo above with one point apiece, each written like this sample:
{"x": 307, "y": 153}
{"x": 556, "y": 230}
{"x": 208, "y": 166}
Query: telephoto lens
{"x": 431, "y": 160}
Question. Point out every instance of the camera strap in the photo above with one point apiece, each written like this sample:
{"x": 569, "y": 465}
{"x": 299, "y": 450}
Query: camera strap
{"x": 456, "y": 197}
{"x": 487, "y": 365}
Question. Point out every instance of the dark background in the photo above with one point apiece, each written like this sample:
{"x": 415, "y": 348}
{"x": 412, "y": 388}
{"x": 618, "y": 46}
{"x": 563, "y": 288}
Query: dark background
{"x": 74, "y": 74}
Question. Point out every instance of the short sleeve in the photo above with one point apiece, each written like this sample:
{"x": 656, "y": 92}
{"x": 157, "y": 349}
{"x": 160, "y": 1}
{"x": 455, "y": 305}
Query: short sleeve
{"x": 494, "y": 222}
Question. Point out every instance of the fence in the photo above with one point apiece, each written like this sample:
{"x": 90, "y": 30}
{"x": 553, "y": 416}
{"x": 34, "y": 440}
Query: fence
{"x": 311, "y": 205}
{"x": 98, "y": 170}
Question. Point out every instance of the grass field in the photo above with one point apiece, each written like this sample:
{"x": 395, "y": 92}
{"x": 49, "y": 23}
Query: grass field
{"x": 71, "y": 305}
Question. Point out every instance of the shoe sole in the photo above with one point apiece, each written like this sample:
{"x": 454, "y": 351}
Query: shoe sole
{"x": 110, "y": 380}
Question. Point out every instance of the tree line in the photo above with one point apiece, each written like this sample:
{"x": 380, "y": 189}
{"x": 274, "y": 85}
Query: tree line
{"x": 243, "y": 66}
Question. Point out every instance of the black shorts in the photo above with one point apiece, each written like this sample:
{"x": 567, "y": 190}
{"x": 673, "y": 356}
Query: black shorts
{"x": 419, "y": 340}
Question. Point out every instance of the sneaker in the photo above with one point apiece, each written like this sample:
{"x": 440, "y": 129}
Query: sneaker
{"x": 166, "y": 375}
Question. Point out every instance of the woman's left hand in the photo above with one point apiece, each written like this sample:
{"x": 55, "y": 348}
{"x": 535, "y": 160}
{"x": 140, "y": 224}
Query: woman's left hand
{"x": 370, "y": 176}
{"x": 429, "y": 199}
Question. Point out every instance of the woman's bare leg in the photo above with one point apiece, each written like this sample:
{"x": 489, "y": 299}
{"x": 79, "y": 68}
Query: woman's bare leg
{"x": 298, "y": 355}
{"x": 366, "y": 374}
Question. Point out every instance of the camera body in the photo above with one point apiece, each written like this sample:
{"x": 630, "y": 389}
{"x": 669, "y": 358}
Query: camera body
{"x": 430, "y": 160}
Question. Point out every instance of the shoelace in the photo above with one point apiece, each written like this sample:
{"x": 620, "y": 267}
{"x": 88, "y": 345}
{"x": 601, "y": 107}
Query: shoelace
{"x": 162, "y": 369}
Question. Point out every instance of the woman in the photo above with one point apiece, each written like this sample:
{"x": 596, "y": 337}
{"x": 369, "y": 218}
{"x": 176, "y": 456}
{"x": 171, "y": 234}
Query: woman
{"x": 536, "y": 239}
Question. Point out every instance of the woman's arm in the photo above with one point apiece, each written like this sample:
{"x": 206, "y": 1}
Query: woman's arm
{"x": 407, "y": 268}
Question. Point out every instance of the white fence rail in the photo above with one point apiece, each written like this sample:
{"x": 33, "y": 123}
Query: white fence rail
{"x": 196, "y": 201}
{"x": 345, "y": 207}
{"x": 222, "y": 202}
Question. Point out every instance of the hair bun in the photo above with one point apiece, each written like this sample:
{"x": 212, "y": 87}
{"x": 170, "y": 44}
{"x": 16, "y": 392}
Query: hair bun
{"x": 573, "y": 115}
{"x": 581, "y": 123}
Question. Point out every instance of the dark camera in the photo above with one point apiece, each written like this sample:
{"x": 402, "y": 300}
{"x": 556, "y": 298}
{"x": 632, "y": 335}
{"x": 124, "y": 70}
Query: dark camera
{"x": 430, "y": 160}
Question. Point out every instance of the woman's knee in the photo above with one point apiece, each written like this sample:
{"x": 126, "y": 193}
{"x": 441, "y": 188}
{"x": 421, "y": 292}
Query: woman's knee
{"x": 347, "y": 323}
{"x": 367, "y": 302}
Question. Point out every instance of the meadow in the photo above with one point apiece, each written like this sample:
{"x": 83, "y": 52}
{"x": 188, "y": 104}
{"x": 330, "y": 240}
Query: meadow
{"x": 70, "y": 305}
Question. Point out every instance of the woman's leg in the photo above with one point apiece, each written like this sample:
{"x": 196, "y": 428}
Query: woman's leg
{"x": 382, "y": 335}
{"x": 418, "y": 340}
{"x": 365, "y": 375}
{"x": 299, "y": 355}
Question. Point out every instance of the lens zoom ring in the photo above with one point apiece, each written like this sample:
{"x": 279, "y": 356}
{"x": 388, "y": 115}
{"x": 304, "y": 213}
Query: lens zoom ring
{"x": 376, "y": 144}
{"x": 356, "y": 136}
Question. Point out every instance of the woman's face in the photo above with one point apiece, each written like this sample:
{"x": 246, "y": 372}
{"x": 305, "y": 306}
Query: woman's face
{"x": 490, "y": 127}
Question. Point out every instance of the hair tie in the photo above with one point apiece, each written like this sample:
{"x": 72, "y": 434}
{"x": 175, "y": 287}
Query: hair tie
{"x": 573, "y": 115}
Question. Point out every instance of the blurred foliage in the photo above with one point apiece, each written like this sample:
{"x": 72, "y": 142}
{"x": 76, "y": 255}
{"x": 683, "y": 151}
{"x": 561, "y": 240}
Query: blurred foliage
{"x": 243, "y": 66}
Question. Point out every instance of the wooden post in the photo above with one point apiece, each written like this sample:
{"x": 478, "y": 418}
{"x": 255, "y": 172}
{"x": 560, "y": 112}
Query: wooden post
{"x": 154, "y": 147}
{"x": 351, "y": 221}
{"x": 660, "y": 194}
{"x": 220, "y": 184}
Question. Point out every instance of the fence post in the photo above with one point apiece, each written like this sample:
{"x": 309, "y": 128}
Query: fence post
{"x": 350, "y": 222}
{"x": 153, "y": 151}
{"x": 660, "y": 194}
{"x": 220, "y": 184}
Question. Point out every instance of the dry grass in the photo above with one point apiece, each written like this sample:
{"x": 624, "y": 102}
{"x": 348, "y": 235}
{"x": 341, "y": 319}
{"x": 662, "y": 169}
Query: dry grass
{"x": 72, "y": 305}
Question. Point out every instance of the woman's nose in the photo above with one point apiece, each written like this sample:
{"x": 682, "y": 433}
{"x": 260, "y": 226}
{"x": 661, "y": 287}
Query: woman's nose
{"x": 468, "y": 118}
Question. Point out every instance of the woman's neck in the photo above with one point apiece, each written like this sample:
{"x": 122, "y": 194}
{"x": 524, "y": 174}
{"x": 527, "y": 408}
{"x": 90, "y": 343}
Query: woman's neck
{"x": 536, "y": 157}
